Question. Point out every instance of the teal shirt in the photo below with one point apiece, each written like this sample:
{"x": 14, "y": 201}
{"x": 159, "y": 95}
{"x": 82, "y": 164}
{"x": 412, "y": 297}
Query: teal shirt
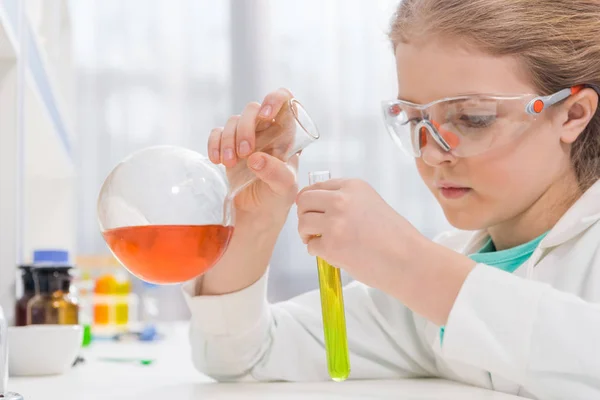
{"x": 507, "y": 260}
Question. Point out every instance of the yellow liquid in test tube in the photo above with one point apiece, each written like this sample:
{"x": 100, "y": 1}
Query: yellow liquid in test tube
{"x": 332, "y": 308}
{"x": 334, "y": 321}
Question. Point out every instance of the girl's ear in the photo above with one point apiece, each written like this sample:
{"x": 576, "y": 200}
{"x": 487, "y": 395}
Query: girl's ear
{"x": 577, "y": 111}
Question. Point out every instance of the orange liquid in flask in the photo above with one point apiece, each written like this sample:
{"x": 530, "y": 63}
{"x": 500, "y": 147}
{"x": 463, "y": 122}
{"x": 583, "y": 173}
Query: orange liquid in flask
{"x": 166, "y": 254}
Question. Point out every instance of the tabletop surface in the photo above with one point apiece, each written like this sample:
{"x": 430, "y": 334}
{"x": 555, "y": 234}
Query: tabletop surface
{"x": 173, "y": 376}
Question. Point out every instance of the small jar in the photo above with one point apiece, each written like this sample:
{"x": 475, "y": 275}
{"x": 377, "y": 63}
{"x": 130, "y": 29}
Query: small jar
{"x": 122, "y": 302}
{"x": 104, "y": 295}
{"x": 53, "y": 302}
{"x": 28, "y": 294}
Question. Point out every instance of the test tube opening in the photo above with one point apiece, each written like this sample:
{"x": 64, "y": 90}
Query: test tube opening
{"x": 318, "y": 176}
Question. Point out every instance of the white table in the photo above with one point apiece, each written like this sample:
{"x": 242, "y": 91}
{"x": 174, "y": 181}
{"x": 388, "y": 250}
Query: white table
{"x": 172, "y": 376}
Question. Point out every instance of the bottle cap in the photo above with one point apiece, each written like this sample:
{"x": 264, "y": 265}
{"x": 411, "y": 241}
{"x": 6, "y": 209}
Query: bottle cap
{"x": 106, "y": 284}
{"x": 51, "y": 256}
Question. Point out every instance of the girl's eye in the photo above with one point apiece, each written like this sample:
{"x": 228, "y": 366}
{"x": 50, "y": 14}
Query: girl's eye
{"x": 477, "y": 120}
{"x": 412, "y": 121}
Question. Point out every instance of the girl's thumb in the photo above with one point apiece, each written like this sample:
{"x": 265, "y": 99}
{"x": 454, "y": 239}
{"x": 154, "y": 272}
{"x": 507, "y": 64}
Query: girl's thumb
{"x": 272, "y": 171}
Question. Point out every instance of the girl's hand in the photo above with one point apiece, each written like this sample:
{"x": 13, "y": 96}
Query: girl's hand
{"x": 348, "y": 224}
{"x": 264, "y": 205}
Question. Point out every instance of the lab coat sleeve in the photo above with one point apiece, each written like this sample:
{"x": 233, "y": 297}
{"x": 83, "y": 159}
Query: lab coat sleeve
{"x": 546, "y": 340}
{"x": 240, "y": 336}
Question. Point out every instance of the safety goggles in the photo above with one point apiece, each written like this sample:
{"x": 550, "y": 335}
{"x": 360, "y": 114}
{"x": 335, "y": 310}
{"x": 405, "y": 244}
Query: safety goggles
{"x": 466, "y": 125}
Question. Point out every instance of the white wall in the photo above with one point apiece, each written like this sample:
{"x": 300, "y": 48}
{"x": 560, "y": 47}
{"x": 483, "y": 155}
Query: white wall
{"x": 37, "y": 177}
{"x": 9, "y": 190}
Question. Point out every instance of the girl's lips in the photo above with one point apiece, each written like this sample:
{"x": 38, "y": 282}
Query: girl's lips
{"x": 454, "y": 192}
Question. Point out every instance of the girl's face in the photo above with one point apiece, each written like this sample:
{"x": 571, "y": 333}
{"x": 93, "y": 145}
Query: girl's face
{"x": 503, "y": 184}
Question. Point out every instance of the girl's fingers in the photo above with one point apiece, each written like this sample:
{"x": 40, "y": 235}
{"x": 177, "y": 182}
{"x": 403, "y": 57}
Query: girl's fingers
{"x": 275, "y": 173}
{"x": 271, "y": 105}
{"x": 245, "y": 136}
{"x": 314, "y": 201}
{"x": 315, "y": 245}
{"x": 228, "y": 153}
{"x": 214, "y": 145}
{"x": 310, "y": 225}
{"x": 331, "y": 184}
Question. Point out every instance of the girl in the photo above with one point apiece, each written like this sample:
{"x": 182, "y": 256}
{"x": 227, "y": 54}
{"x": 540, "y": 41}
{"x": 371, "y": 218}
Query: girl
{"x": 498, "y": 103}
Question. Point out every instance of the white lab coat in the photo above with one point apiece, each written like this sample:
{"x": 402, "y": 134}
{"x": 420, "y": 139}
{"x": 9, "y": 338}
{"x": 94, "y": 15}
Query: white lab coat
{"x": 535, "y": 332}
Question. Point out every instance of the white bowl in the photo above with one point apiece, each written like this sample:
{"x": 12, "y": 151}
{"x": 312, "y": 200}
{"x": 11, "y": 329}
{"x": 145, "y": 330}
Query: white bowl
{"x": 43, "y": 349}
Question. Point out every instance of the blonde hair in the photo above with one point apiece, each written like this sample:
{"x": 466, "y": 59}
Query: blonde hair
{"x": 557, "y": 41}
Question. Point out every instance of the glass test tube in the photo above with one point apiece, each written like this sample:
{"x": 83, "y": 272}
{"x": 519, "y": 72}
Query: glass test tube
{"x": 332, "y": 307}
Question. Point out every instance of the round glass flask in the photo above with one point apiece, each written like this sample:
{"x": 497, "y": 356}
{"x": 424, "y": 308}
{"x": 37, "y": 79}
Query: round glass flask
{"x": 167, "y": 213}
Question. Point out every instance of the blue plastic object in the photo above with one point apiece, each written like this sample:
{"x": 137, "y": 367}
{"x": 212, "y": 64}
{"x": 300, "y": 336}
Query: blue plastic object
{"x": 149, "y": 333}
{"x": 60, "y": 257}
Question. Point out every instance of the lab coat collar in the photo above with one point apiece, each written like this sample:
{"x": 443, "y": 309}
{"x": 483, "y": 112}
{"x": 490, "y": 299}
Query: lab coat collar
{"x": 583, "y": 214}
